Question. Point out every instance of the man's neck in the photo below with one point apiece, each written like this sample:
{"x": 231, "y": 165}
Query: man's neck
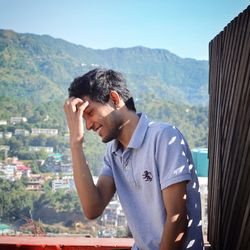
{"x": 127, "y": 128}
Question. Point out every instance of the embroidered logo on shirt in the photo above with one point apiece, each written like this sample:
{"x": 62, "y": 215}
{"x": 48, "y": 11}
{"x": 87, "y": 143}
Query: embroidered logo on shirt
{"x": 147, "y": 176}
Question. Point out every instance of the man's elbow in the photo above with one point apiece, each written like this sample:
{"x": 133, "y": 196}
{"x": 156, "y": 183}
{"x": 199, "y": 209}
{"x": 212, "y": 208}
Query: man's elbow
{"x": 92, "y": 214}
{"x": 179, "y": 224}
{"x": 183, "y": 223}
{"x": 182, "y": 226}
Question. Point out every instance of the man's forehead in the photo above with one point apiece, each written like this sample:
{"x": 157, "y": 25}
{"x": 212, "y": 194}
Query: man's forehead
{"x": 91, "y": 102}
{"x": 86, "y": 98}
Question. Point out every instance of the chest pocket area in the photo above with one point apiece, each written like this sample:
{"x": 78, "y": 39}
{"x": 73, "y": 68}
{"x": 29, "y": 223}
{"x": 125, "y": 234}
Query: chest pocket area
{"x": 144, "y": 172}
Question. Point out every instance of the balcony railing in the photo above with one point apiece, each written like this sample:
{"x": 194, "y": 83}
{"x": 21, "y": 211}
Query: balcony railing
{"x": 65, "y": 243}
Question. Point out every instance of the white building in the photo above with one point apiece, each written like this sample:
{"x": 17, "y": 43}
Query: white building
{"x": 18, "y": 119}
{"x": 23, "y": 132}
{"x": 3, "y": 122}
{"x": 9, "y": 171}
{"x": 7, "y": 135}
{"x": 49, "y": 150}
{"x": 4, "y": 148}
{"x": 44, "y": 131}
{"x": 114, "y": 215}
{"x": 59, "y": 184}
{"x": 66, "y": 182}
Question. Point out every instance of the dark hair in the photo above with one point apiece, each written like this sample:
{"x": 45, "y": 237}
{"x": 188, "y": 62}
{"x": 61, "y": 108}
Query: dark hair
{"x": 97, "y": 84}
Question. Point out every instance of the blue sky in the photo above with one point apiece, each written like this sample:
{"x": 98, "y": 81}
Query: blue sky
{"x": 183, "y": 27}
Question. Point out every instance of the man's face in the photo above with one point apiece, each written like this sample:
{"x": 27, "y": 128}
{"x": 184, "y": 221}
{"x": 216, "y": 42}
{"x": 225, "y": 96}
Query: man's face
{"x": 103, "y": 119}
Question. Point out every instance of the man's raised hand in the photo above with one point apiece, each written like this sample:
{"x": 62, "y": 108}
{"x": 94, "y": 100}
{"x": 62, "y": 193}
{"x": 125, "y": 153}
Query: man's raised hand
{"x": 74, "y": 108}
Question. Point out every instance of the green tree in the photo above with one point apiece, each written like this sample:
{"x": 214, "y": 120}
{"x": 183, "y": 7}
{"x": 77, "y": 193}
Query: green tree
{"x": 16, "y": 202}
{"x": 15, "y": 145}
{"x": 39, "y": 140}
{"x": 41, "y": 155}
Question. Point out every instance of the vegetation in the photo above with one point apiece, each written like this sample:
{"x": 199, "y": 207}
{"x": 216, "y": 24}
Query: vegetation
{"x": 17, "y": 204}
{"x": 35, "y": 72}
{"x": 191, "y": 120}
{"x": 40, "y": 68}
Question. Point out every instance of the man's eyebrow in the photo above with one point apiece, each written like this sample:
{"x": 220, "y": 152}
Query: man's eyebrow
{"x": 88, "y": 109}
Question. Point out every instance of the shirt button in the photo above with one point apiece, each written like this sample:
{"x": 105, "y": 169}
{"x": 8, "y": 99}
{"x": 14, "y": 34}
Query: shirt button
{"x": 126, "y": 167}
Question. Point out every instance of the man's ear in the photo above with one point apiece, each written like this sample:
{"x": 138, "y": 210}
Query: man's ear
{"x": 115, "y": 98}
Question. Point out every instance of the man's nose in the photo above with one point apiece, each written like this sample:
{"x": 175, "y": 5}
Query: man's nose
{"x": 89, "y": 124}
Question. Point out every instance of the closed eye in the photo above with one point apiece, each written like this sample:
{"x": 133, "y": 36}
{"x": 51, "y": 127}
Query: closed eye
{"x": 88, "y": 113}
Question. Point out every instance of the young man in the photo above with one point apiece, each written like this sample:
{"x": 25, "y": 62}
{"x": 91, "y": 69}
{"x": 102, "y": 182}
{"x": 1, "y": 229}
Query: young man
{"x": 148, "y": 164}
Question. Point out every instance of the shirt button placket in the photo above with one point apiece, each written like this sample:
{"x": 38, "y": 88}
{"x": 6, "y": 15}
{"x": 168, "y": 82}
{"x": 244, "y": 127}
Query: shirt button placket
{"x": 126, "y": 167}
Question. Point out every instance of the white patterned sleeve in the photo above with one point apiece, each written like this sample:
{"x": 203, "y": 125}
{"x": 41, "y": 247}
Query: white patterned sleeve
{"x": 172, "y": 157}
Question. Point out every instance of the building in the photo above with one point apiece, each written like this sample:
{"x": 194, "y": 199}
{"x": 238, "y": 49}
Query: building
{"x": 114, "y": 215}
{"x": 17, "y": 119}
{"x": 35, "y": 182}
{"x": 200, "y": 157}
{"x": 44, "y": 131}
{"x": 38, "y": 148}
{"x": 22, "y": 170}
{"x": 7, "y": 135}
{"x": 5, "y": 229}
{"x": 59, "y": 184}
{"x": 66, "y": 182}
{"x": 9, "y": 172}
{"x": 4, "y": 148}
{"x": 22, "y": 132}
{"x": 3, "y": 122}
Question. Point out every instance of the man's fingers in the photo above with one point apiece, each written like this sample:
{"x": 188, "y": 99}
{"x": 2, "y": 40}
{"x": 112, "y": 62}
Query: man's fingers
{"x": 68, "y": 102}
{"x": 83, "y": 106}
{"x": 72, "y": 104}
{"x": 76, "y": 101}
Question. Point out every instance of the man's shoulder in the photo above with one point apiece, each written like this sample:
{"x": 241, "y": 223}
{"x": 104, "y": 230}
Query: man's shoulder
{"x": 162, "y": 131}
{"x": 152, "y": 125}
{"x": 161, "y": 127}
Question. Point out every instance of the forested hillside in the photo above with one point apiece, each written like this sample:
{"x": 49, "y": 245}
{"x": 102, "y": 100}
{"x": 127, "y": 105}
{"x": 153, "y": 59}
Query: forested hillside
{"x": 32, "y": 65}
{"x": 35, "y": 72}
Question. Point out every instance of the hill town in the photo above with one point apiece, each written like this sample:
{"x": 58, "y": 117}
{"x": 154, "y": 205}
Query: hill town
{"x": 36, "y": 180}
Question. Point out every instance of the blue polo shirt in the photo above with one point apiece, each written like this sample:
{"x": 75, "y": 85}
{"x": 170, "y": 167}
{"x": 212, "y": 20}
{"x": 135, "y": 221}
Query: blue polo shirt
{"x": 157, "y": 156}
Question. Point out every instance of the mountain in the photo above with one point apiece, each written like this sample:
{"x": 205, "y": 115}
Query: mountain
{"x": 40, "y": 68}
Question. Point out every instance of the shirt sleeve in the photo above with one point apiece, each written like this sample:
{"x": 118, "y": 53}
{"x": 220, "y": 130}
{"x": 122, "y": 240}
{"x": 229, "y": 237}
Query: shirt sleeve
{"x": 171, "y": 156}
{"x": 106, "y": 169}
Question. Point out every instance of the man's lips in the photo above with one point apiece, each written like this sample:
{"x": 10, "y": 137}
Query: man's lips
{"x": 97, "y": 130}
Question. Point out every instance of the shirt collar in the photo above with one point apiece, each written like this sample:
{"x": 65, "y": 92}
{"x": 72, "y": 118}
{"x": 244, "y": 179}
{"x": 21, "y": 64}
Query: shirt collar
{"x": 138, "y": 135}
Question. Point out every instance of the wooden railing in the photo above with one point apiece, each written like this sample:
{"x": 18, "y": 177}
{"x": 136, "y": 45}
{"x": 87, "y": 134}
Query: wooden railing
{"x": 229, "y": 136}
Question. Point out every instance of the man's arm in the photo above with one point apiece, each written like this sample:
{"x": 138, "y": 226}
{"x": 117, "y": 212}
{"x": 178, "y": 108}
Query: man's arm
{"x": 175, "y": 227}
{"x": 94, "y": 198}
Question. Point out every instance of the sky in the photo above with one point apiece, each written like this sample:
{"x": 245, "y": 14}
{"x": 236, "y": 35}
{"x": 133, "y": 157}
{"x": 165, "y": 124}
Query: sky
{"x": 184, "y": 27}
